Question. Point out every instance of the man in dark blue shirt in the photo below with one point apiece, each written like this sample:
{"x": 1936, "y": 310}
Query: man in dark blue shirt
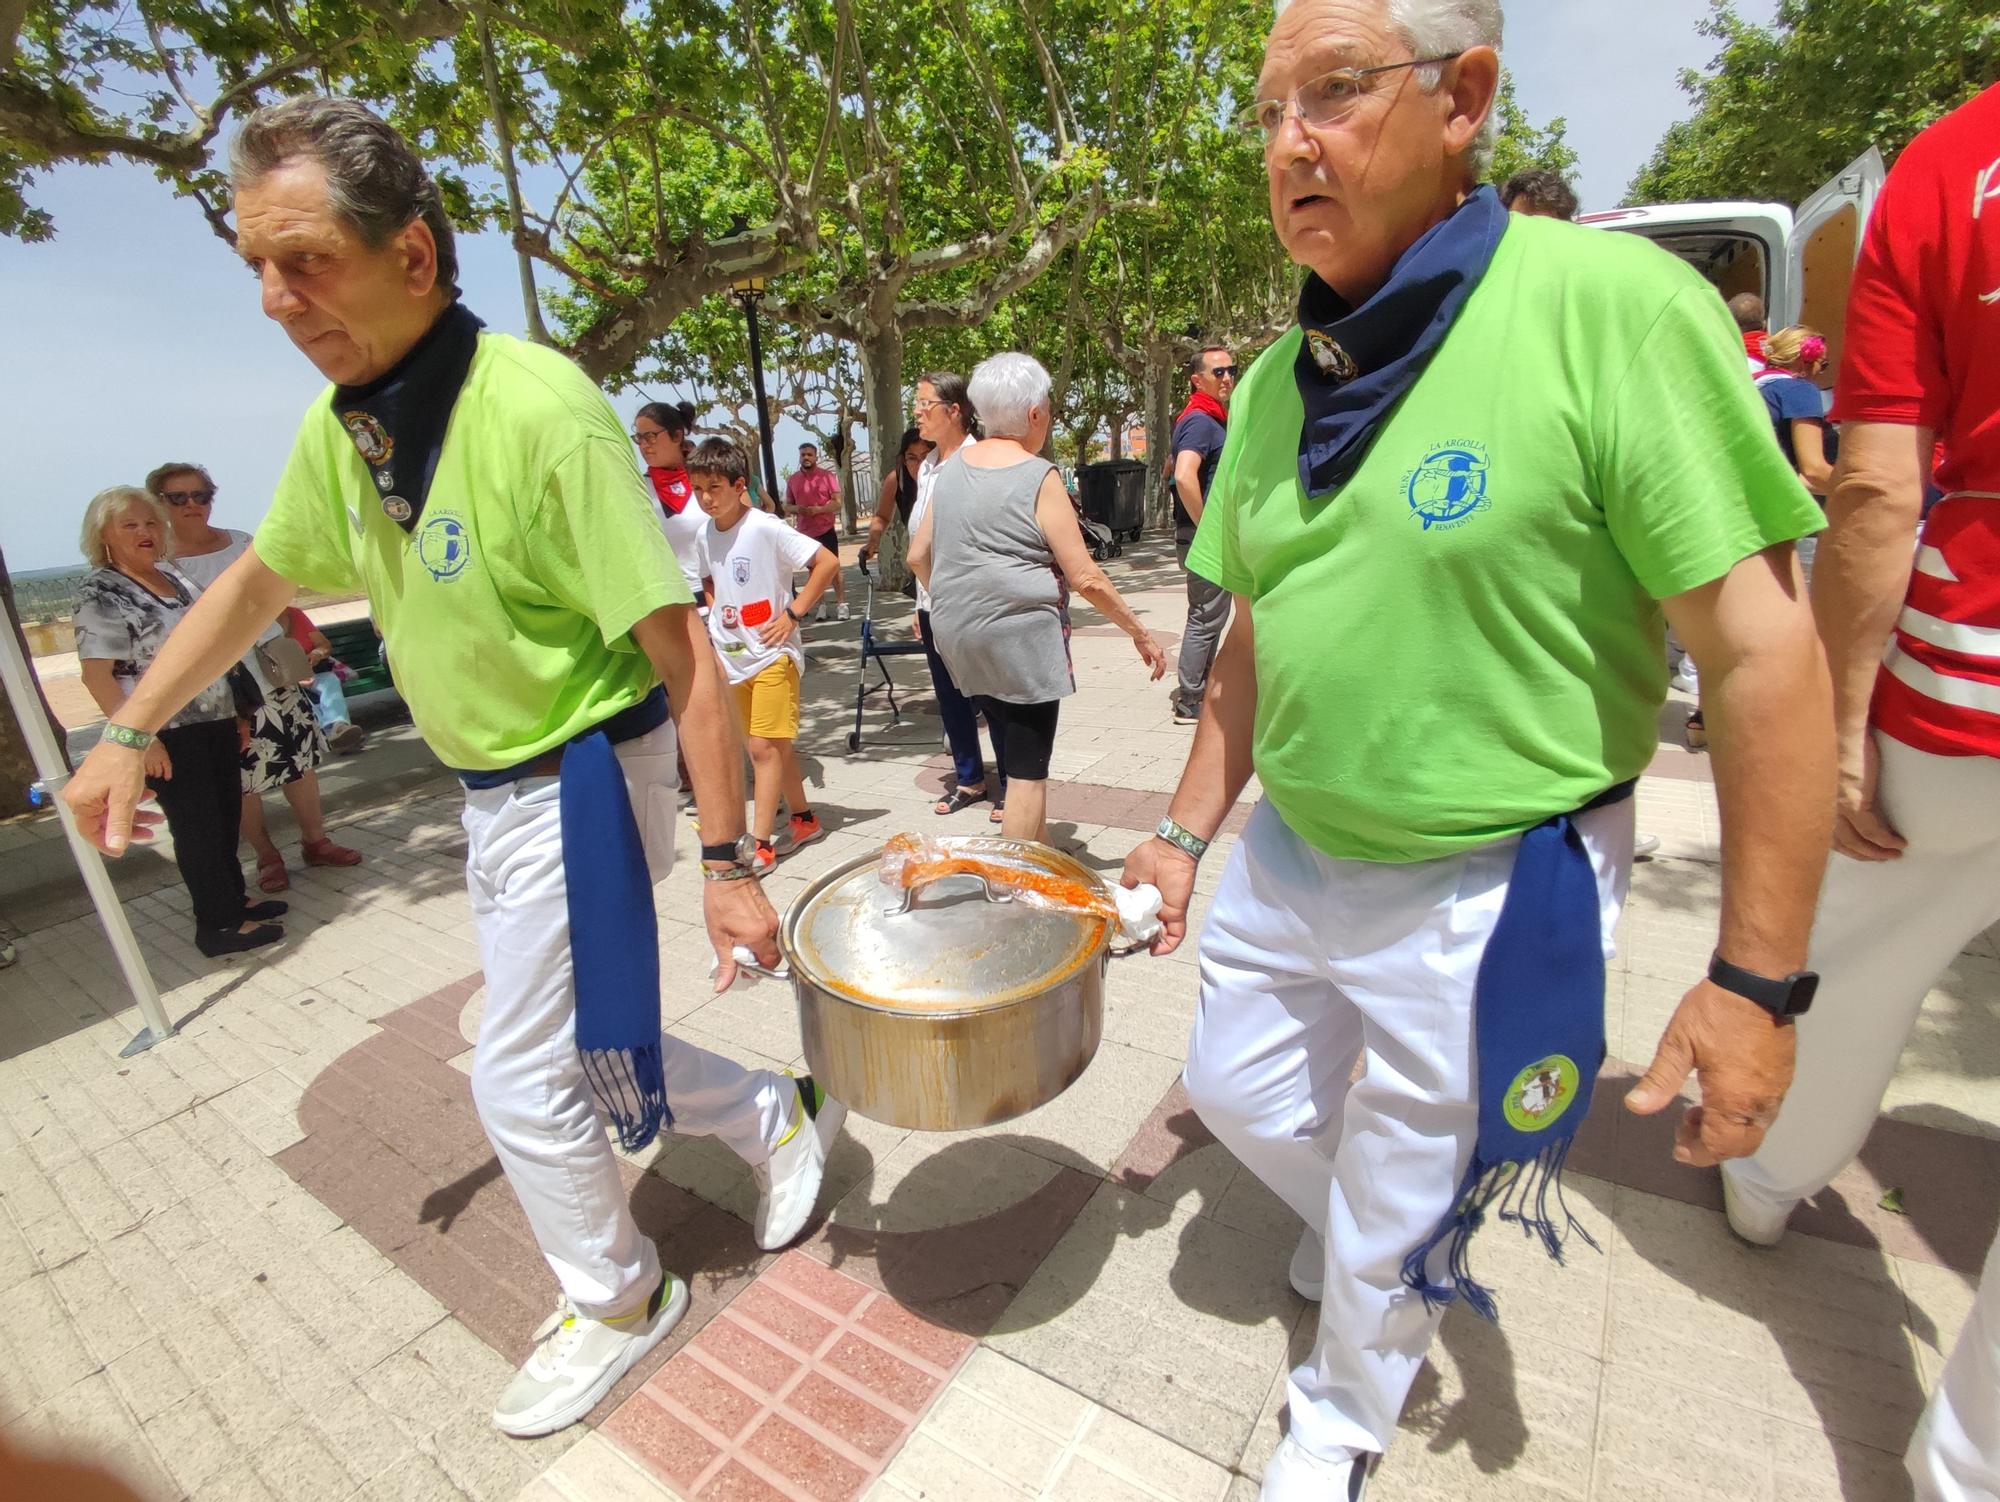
{"x": 1197, "y": 444}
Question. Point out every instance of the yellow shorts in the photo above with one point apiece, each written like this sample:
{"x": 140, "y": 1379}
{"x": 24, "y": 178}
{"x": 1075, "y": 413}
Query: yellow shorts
{"x": 768, "y": 705}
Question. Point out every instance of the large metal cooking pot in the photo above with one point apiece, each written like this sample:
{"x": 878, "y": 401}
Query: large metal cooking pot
{"x": 951, "y": 1006}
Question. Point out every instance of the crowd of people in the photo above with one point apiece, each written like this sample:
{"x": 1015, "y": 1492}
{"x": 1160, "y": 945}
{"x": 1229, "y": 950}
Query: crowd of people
{"x": 1427, "y": 609}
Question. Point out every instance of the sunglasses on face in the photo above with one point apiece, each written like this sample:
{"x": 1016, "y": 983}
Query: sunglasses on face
{"x": 1224, "y": 372}
{"x": 187, "y": 497}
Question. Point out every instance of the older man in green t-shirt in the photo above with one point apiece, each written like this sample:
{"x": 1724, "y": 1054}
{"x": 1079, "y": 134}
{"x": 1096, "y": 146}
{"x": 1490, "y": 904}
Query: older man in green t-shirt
{"x": 1455, "y": 505}
{"x": 481, "y": 491}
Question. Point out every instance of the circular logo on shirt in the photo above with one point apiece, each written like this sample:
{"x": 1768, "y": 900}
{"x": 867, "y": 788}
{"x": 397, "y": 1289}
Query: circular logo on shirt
{"x": 1449, "y": 486}
{"x": 1541, "y": 1094}
{"x": 444, "y": 547}
{"x": 369, "y": 436}
{"x": 729, "y": 617}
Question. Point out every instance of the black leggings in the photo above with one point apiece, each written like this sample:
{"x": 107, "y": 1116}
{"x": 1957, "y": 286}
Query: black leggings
{"x": 1024, "y": 736}
{"x": 203, "y": 802}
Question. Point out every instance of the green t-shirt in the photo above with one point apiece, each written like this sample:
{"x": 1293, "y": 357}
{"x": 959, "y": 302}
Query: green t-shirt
{"x": 507, "y": 613}
{"x": 1465, "y": 639}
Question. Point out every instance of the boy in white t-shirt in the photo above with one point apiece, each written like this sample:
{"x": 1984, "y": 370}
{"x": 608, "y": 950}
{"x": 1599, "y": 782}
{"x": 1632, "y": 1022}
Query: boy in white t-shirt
{"x": 749, "y": 557}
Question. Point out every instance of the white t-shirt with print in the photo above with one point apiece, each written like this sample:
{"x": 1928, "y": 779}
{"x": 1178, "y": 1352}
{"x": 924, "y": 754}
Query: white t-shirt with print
{"x": 750, "y": 569}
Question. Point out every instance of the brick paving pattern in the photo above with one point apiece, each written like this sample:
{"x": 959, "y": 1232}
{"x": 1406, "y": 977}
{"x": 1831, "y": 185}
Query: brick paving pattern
{"x": 272, "y": 1257}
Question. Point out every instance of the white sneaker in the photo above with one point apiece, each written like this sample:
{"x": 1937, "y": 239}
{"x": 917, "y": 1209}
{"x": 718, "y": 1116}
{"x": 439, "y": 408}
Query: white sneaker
{"x": 1308, "y": 1272}
{"x": 1751, "y": 1219}
{"x": 788, "y": 1182}
{"x": 1645, "y": 847}
{"x": 842, "y": 612}
{"x": 1686, "y": 679}
{"x": 1294, "y": 1474}
{"x": 577, "y": 1361}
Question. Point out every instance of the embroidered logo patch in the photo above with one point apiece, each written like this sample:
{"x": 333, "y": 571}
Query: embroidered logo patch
{"x": 369, "y": 436}
{"x": 444, "y": 547}
{"x": 739, "y": 569}
{"x": 1449, "y": 486}
{"x": 1541, "y": 1093}
{"x": 1333, "y": 362}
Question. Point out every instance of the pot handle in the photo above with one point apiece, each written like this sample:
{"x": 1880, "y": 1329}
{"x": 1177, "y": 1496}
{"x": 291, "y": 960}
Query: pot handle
{"x": 911, "y": 892}
{"x": 746, "y": 960}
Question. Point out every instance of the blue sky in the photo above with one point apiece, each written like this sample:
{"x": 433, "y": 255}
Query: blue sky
{"x": 134, "y": 337}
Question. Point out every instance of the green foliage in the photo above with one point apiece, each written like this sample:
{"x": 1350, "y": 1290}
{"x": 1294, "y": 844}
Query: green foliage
{"x": 1783, "y": 108}
{"x": 1522, "y": 144}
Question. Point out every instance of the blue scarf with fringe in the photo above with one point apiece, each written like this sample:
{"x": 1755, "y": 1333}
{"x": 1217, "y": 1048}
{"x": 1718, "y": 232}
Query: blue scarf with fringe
{"x": 1354, "y": 364}
{"x": 614, "y": 935}
{"x": 1538, "y": 1035}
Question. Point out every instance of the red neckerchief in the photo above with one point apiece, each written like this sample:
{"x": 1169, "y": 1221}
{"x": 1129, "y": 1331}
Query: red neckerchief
{"x": 671, "y": 486}
{"x": 1201, "y": 401}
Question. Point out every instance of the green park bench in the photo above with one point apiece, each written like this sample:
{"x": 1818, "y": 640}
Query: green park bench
{"x": 356, "y": 644}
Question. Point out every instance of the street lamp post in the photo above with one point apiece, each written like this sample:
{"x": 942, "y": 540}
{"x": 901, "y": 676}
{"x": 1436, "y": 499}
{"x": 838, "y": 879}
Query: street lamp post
{"x": 749, "y": 292}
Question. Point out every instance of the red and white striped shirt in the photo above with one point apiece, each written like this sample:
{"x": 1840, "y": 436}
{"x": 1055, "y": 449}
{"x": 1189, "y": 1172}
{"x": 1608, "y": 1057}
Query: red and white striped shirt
{"x": 1923, "y": 349}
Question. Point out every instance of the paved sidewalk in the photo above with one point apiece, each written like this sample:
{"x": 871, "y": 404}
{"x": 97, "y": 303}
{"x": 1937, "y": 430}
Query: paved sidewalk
{"x": 272, "y": 1257}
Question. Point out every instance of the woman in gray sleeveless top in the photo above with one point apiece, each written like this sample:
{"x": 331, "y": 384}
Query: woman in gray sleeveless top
{"x": 999, "y": 551}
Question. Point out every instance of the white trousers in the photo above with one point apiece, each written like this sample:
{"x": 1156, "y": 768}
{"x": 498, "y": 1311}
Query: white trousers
{"x": 527, "y": 1077}
{"x": 1885, "y": 932}
{"x": 1306, "y": 964}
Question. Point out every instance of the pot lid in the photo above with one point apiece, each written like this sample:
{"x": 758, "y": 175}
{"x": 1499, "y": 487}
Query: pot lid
{"x": 955, "y": 949}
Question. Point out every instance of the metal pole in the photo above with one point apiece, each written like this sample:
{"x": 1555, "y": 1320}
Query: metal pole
{"x": 110, "y": 911}
{"x": 763, "y": 407}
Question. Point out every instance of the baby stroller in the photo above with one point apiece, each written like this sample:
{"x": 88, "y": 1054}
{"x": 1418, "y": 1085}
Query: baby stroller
{"x": 874, "y": 650}
{"x": 1102, "y": 541}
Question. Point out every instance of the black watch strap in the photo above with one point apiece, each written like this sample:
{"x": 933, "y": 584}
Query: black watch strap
{"x": 726, "y": 851}
{"x": 1786, "y": 996}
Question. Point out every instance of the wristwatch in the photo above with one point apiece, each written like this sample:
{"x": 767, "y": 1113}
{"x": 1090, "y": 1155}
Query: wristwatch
{"x": 126, "y": 736}
{"x": 797, "y": 619}
{"x": 1182, "y": 839}
{"x": 739, "y": 853}
{"x": 1788, "y": 996}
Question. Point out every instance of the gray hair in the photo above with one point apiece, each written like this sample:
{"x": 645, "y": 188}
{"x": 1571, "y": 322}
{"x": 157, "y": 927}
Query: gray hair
{"x": 106, "y": 507}
{"x": 1005, "y": 389}
{"x": 374, "y": 181}
{"x": 1437, "y": 28}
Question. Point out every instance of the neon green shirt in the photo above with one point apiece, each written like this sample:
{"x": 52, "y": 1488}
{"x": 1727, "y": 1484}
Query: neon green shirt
{"x": 1465, "y": 639}
{"x": 507, "y": 614}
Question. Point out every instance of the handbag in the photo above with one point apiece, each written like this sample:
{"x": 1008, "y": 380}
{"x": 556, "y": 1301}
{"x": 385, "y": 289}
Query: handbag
{"x": 283, "y": 661}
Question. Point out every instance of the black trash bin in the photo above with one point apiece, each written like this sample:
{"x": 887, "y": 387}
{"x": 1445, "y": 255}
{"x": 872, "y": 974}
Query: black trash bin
{"x": 1113, "y": 492}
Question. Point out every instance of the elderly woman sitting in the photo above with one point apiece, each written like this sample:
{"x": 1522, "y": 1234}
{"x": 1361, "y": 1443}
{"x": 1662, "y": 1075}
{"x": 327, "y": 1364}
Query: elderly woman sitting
{"x": 999, "y": 551}
{"x": 124, "y": 611}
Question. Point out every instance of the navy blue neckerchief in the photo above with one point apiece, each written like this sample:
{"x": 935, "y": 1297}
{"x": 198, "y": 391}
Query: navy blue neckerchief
{"x": 614, "y": 939}
{"x": 1538, "y": 1034}
{"x": 398, "y": 420}
{"x": 1354, "y": 364}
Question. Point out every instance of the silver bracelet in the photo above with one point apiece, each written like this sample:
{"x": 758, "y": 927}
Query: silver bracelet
{"x": 1182, "y": 839}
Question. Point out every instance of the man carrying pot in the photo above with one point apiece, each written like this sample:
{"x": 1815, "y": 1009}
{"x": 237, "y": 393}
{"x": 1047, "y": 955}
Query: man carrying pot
{"x": 481, "y": 490}
{"x": 1454, "y": 505}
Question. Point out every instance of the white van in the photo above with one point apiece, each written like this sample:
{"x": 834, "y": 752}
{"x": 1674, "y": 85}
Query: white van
{"x": 1800, "y": 263}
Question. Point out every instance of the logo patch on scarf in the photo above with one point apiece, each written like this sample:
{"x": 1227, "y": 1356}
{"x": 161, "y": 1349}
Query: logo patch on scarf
{"x": 444, "y": 547}
{"x": 370, "y": 437}
{"x": 1449, "y": 486}
{"x": 1541, "y": 1093}
{"x": 1333, "y": 362}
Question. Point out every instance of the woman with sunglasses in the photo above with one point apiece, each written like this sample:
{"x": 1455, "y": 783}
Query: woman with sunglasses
{"x": 661, "y": 431}
{"x": 283, "y": 744}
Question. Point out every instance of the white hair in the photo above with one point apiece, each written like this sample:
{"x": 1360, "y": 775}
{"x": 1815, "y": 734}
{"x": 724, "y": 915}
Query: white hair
{"x": 106, "y": 507}
{"x": 1438, "y": 28}
{"x": 1005, "y": 389}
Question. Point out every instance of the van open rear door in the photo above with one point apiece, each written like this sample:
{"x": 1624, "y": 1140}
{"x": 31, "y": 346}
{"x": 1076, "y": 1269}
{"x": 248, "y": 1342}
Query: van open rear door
{"x": 1826, "y": 242}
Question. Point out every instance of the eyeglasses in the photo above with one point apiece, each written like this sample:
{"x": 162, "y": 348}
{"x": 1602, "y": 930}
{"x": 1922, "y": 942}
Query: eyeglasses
{"x": 1326, "y": 100}
{"x": 922, "y": 405}
{"x": 187, "y": 497}
{"x": 642, "y": 439}
{"x": 1224, "y": 372}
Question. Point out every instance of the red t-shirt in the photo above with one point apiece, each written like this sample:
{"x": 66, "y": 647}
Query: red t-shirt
{"x": 814, "y": 496}
{"x": 1923, "y": 350}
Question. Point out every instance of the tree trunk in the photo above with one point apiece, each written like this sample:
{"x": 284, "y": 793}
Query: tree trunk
{"x": 882, "y": 375}
{"x": 516, "y": 214}
{"x": 1159, "y": 435}
{"x": 17, "y": 767}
